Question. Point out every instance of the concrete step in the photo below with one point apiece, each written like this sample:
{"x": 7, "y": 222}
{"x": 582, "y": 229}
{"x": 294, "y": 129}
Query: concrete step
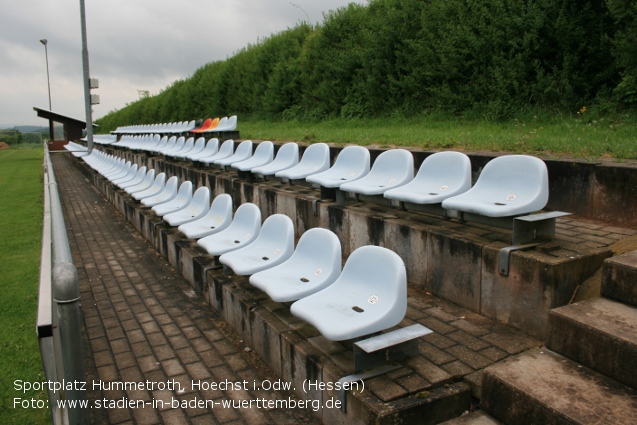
{"x": 478, "y": 417}
{"x": 543, "y": 387}
{"x": 598, "y": 333}
{"x": 619, "y": 278}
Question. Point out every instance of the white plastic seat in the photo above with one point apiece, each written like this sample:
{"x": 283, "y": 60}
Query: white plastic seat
{"x": 118, "y": 172}
{"x": 146, "y": 183}
{"x": 178, "y": 203}
{"x": 286, "y": 157}
{"x": 197, "y": 208}
{"x": 351, "y": 164}
{"x": 126, "y": 175}
{"x": 244, "y": 229}
{"x": 392, "y": 168}
{"x": 172, "y": 140}
{"x": 315, "y": 264}
{"x": 508, "y": 185}
{"x": 370, "y": 295}
{"x": 274, "y": 245}
{"x": 225, "y": 151}
{"x": 211, "y": 148}
{"x": 315, "y": 159}
{"x": 441, "y": 176}
{"x": 218, "y": 218}
{"x": 162, "y": 143}
{"x": 243, "y": 152}
{"x": 263, "y": 154}
{"x": 198, "y": 146}
{"x": 167, "y": 193}
{"x": 187, "y": 147}
{"x": 179, "y": 145}
{"x": 138, "y": 178}
{"x": 155, "y": 189}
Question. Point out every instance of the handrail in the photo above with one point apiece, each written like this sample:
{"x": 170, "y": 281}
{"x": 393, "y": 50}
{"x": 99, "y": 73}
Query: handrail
{"x": 59, "y": 322}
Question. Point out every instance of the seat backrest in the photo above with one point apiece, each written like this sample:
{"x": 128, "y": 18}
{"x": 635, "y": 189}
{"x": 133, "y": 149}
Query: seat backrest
{"x": 201, "y": 199}
{"x": 447, "y": 170}
{"x": 185, "y": 191}
{"x": 221, "y": 207}
{"x": 226, "y": 148}
{"x": 288, "y": 154}
{"x": 231, "y": 124}
{"x": 320, "y": 246}
{"x": 380, "y": 273}
{"x": 395, "y": 164}
{"x": 246, "y": 219}
{"x": 316, "y": 157}
{"x": 515, "y": 179}
{"x": 352, "y": 161}
{"x": 277, "y": 229}
{"x": 264, "y": 151}
{"x": 244, "y": 148}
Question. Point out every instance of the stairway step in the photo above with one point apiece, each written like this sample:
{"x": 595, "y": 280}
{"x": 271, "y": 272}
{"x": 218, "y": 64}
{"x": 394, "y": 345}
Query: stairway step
{"x": 543, "y": 387}
{"x": 619, "y": 278}
{"x": 598, "y": 333}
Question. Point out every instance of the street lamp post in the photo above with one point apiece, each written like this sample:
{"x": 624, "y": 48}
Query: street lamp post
{"x": 87, "y": 87}
{"x": 46, "y": 54}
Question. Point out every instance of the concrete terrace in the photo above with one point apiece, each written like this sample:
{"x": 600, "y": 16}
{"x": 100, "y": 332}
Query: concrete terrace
{"x": 154, "y": 311}
{"x": 144, "y": 322}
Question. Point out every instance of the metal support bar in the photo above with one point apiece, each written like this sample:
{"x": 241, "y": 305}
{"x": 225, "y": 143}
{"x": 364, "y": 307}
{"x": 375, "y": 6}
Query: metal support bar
{"x": 315, "y": 206}
{"x": 342, "y": 394}
{"x": 374, "y": 353}
{"x": 505, "y": 254}
{"x": 388, "y": 347}
{"x": 528, "y": 228}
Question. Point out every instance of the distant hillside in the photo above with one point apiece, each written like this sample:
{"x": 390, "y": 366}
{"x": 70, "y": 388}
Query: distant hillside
{"x": 27, "y": 128}
{"x": 489, "y": 59}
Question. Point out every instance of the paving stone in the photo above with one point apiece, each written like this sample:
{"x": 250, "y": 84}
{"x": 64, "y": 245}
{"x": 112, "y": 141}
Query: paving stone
{"x": 469, "y": 357}
{"x": 468, "y": 340}
{"x": 385, "y": 388}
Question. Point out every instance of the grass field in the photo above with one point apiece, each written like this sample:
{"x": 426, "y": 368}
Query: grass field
{"x": 582, "y": 136}
{"x": 21, "y": 223}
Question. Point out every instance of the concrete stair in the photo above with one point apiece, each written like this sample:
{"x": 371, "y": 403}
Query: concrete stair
{"x": 543, "y": 387}
{"x": 598, "y": 333}
{"x": 588, "y": 372}
{"x": 619, "y": 278}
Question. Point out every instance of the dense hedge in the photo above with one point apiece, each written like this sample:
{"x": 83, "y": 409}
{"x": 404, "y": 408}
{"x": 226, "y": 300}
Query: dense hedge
{"x": 490, "y": 58}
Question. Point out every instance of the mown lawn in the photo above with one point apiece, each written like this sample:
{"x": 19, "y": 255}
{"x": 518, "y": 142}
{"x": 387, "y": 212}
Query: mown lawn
{"x": 582, "y": 136}
{"x": 21, "y": 223}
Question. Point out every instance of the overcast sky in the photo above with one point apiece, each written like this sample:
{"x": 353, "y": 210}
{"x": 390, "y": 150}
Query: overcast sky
{"x": 133, "y": 45}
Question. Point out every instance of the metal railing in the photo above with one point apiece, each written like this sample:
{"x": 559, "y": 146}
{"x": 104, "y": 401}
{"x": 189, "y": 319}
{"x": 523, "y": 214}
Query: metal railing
{"x": 59, "y": 322}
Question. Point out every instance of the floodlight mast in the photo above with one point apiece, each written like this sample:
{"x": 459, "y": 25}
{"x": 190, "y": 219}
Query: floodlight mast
{"x": 87, "y": 88}
{"x": 48, "y": 80}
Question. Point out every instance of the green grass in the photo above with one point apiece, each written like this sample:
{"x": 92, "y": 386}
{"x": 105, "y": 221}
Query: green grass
{"x": 584, "y": 136}
{"x": 21, "y": 223}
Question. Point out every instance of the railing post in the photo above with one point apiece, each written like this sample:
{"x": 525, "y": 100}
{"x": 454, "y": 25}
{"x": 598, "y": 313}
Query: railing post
{"x": 66, "y": 294}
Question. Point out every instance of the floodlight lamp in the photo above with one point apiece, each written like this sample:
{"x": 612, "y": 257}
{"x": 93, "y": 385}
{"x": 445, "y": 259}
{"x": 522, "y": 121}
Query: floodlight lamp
{"x": 43, "y": 41}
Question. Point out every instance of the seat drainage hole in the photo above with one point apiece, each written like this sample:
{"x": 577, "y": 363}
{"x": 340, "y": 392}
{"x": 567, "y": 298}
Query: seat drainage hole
{"x": 212, "y": 227}
{"x": 303, "y": 279}
{"x": 265, "y": 258}
{"x": 357, "y": 309}
{"x": 499, "y": 203}
{"x": 237, "y": 241}
{"x": 433, "y": 194}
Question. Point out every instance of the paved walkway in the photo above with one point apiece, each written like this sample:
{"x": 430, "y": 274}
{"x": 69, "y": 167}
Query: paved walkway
{"x": 144, "y": 326}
